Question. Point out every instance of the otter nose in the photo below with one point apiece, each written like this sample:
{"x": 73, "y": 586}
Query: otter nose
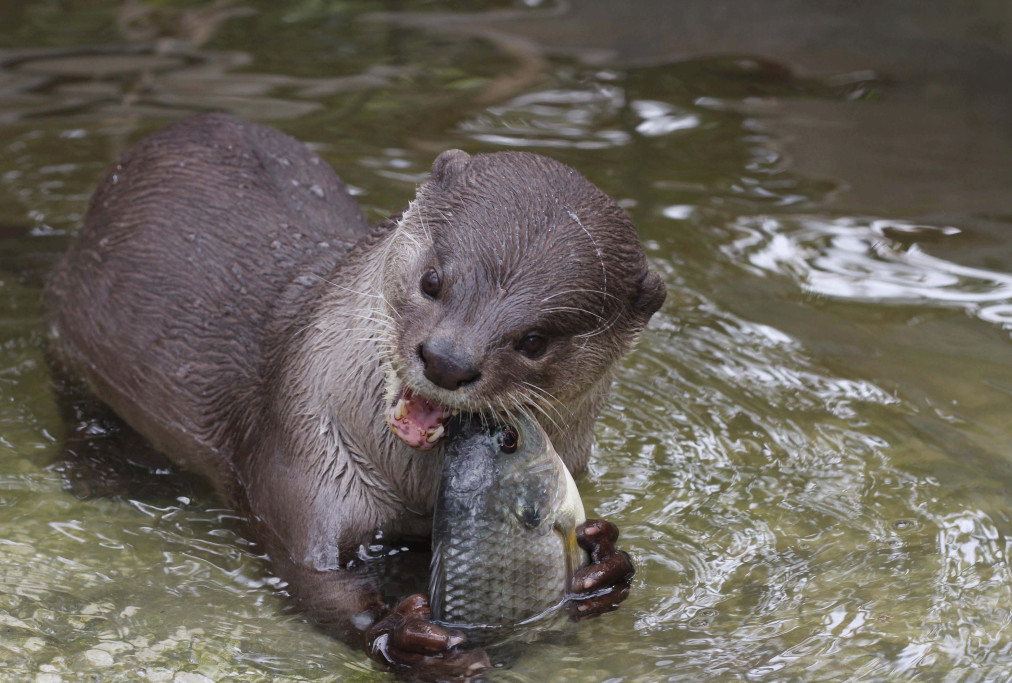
{"x": 445, "y": 366}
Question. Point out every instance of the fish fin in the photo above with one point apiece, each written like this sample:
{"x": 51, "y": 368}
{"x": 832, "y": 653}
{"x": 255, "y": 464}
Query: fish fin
{"x": 571, "y": 516}
{"x": 547, "y": 489}
{"x": 533, "y": 506}
{"x": 530, "y": 515}
{"x": 575, "y": 556}
{"x": 534, "y": 501}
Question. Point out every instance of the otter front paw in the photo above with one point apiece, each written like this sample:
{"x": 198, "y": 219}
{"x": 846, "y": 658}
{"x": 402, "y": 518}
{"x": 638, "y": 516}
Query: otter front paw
{"x": 406, "y": 640}
{"x": 604, "y": 583}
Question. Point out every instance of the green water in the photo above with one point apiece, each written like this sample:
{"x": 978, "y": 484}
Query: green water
{"x": 808, "y": 454}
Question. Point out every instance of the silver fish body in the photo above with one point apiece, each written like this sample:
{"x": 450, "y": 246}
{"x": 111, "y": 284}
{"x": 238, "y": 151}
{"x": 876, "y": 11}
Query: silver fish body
{"x": 504, "y": 544}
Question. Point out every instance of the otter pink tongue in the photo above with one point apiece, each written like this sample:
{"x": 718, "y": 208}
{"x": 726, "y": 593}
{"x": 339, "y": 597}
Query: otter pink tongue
{"x": 416, "y": 420}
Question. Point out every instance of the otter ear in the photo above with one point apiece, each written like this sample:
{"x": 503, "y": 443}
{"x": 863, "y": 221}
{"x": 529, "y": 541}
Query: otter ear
{"x": 650, "y": 295}
{"x": 448, "y": 166}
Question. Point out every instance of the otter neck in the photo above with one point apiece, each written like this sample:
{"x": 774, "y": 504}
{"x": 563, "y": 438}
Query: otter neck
{"x": 349, "y": 399}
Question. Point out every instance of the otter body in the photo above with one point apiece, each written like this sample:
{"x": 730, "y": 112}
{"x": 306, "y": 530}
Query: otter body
{"x": 228, "y": 300}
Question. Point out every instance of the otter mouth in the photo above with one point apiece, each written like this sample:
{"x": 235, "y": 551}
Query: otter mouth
{"x": 416, "y": 420}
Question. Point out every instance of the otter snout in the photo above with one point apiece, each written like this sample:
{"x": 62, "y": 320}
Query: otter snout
{"x": 447, "y": 365}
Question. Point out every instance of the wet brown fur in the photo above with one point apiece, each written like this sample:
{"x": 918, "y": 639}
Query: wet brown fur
{"x": 228, "y": 300}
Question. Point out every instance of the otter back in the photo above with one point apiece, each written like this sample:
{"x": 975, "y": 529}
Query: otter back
{"x": 192, "y": 244}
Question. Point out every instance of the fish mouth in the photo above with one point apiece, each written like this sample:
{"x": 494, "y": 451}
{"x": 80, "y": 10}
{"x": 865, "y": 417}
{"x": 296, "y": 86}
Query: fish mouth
{"x": 417, "y": 420}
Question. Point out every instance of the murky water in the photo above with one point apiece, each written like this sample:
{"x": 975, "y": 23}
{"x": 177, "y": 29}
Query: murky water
{"x": 809, "y": 454}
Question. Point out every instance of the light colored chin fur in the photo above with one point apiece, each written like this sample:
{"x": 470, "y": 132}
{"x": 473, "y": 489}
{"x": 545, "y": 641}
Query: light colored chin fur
{"x": 392, "y": 383}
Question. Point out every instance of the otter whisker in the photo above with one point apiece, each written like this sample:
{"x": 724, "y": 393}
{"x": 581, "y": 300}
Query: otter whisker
{"x": 549, "y": 401}
{"x": 537, "y": 406}
{"x": 386, "y": 315}
{"x": 408, "y": 236}
{"x": 523, "y": 403}
{"x": 446, "y": 219}
{"x": 546, "y": 415}
{"x": 421, "y": 220}
{"x": 375, "y": 331}
{"x": 577, "y": 309}
{"x": 371, "y": 317}
{"x": 484, "y": 415}
{"x": 519, "y": 408}
{"x": 540, "y": 390}
{"x": 585, "y": 291}
{"x": 378, "y": 330}
{"x": 503, "y": 411}
{"x": 349, "y": 289}
{"x": 599, "y": 330}
{"x": 302, "y": 329}
{"x": 510, "y": 415}
{"x": 600, "y": 256}
{"x": 376, "y": 325}
{"x": 390, "y": 311}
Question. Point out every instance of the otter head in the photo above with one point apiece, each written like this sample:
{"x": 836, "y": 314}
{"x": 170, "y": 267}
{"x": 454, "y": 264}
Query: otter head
{"x": 513, "y": 284}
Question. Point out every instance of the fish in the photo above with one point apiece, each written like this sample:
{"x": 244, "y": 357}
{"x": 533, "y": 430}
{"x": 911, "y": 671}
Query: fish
{"x": 504, "y": 548}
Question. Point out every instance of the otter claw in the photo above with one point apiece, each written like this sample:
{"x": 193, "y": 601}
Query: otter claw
{"x": 611, "y": 570}
{"x": 406, "y": 640}
{"x": 604, "y": 583}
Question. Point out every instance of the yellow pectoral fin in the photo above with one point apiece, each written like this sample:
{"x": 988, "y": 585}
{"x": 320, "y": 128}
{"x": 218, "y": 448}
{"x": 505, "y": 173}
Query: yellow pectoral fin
{"x": 575, "y": 555}
{"x": 573, "y": 515}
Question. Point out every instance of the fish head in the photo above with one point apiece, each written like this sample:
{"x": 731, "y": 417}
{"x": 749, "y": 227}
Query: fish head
{"x": 509, "y": 464}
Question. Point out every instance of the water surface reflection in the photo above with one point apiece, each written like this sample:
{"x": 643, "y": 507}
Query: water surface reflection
{"x": 871, "y": 260}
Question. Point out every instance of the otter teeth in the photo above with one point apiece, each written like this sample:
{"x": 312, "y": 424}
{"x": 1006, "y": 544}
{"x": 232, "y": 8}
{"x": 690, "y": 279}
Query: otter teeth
{"x": 401, "y": 409}
{"x": 416, "y": 420}
{"x": 435, "y": 434}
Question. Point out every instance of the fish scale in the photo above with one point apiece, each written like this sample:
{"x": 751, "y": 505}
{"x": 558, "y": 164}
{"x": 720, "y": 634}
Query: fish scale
{"x": 504, "y": 532}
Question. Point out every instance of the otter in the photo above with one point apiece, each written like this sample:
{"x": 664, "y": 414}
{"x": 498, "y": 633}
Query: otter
{"x": 228, "y": 300}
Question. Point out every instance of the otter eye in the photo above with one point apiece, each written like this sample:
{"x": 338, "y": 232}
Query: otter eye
{"x": 509, "y": 439}
{"x": 532, "y": 345}
{"x": 430, "y": 283}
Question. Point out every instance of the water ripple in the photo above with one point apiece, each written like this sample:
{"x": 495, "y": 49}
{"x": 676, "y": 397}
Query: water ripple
{"x": 558, "y": 118}
{"x": 871, "y": 261}
{"x": 797, "y": 533}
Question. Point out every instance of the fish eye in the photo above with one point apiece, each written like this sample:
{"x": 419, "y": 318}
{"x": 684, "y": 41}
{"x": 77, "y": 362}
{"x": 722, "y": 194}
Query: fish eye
{"x": 429, "y": 283}
{"x": 509, "y": 439}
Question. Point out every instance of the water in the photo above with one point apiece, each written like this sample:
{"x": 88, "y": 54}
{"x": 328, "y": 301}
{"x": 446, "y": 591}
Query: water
{"x": 808, "y": 454}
